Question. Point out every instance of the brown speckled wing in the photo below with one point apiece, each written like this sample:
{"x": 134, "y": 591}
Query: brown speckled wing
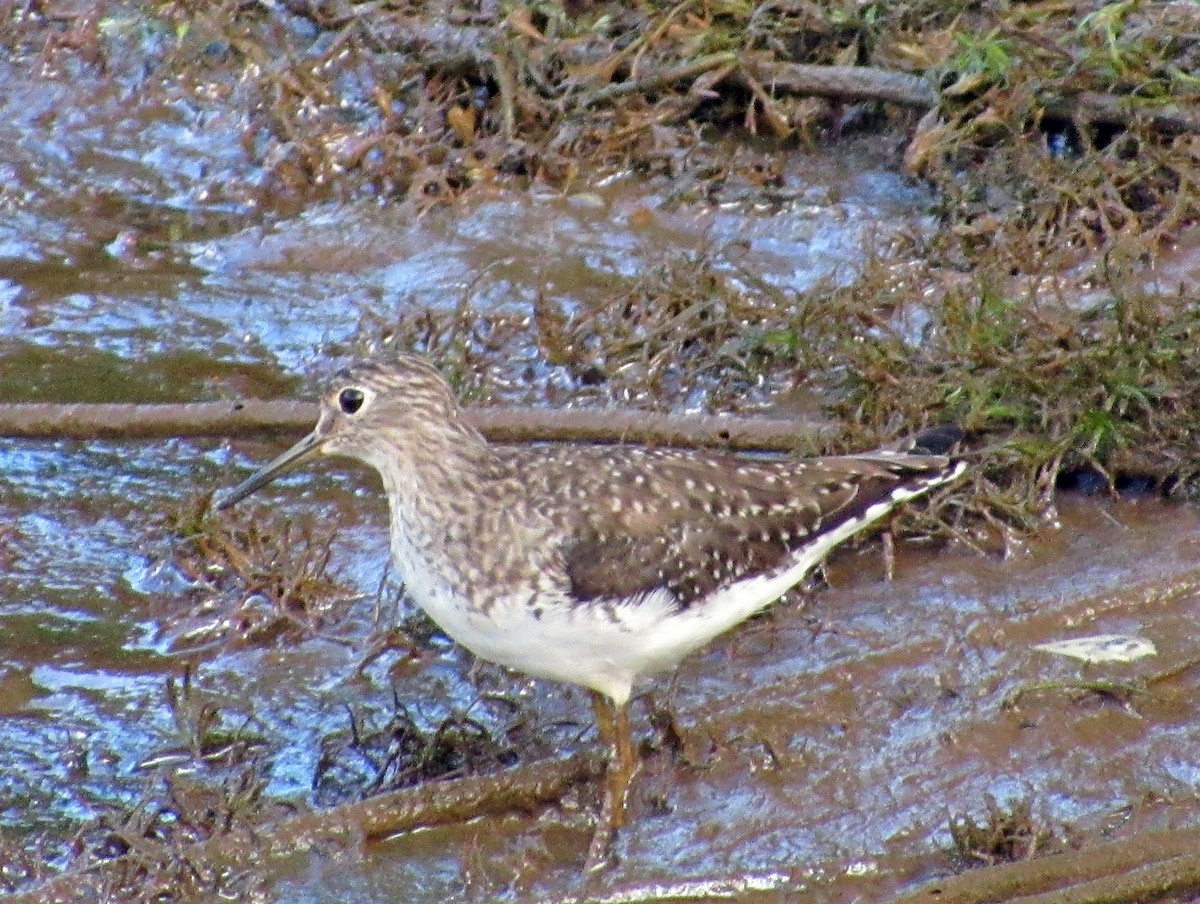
{"x": 693, "y": 524}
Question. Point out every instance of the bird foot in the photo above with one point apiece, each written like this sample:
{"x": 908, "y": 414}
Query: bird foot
{"x": 600, "y": 855}
{"x": 613, "y": 722}
{"x": 600, "y": 852}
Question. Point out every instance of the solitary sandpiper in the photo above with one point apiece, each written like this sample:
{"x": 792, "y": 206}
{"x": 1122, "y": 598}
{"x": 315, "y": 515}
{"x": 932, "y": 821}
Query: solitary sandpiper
{"x": 589, "y": 564}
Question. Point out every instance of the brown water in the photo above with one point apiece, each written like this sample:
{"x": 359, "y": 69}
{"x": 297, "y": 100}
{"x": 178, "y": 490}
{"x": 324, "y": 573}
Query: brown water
{"x": 822, "y": 747}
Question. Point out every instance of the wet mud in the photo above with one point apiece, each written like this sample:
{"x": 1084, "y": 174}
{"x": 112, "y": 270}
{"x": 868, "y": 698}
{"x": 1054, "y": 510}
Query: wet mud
{"x": 825, "y": 747}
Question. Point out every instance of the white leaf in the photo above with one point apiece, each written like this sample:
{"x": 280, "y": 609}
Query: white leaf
{"x": 1101, "y": 648}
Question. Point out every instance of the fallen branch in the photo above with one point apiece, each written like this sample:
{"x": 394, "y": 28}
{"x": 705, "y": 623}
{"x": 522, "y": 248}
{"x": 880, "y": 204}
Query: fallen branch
{"x": 1141, "y": 868}
{"x": 425, "y": 806}
{"x": 850, "y": 83}
{"x": 39, "y": 420}
{"x": 1109, "y": 109}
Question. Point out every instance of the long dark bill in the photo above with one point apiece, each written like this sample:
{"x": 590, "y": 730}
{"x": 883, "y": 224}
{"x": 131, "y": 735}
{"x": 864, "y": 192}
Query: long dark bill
{"x": 264, "y": 475}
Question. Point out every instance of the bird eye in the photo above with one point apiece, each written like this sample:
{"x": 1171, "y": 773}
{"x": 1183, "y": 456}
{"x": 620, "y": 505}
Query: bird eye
{"x": 350, "y": 400}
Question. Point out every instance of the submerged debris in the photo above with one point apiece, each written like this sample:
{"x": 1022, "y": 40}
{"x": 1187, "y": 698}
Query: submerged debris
{"x": 1007, "y": 834}
{"x": 266, "y": 583}
{"x": 365, "y": 759}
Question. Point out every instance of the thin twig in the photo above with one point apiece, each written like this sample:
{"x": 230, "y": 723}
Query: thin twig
{"x": 663, "y": 78}
{"x": 506, "y": 84}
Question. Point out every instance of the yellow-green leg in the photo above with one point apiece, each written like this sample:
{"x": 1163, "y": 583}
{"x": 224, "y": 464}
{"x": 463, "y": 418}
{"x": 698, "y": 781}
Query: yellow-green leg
{"x": 613, "y": 721}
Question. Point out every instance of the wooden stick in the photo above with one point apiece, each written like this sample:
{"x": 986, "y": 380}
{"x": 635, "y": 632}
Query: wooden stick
{"x": 426, "y": 805}
{"x": 504, "y": 425}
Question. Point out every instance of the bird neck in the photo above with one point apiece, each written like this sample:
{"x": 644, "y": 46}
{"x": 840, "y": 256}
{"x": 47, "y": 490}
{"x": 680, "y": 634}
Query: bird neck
{"x": 432, "y": 469}
{"x": 433, "y": 492}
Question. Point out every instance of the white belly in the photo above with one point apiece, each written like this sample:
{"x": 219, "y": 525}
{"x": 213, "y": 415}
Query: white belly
{"x": 605, "y": 647}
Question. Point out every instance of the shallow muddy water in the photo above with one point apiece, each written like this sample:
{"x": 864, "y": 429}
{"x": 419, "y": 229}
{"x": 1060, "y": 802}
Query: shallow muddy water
{"x": 822, "y": 746}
